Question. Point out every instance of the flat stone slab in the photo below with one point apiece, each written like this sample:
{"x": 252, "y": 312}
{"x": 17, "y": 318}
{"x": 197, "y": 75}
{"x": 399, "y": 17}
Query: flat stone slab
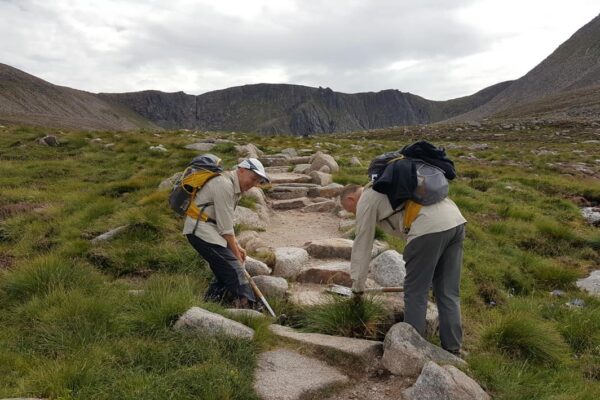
{"x": 290, "y": 204}
{"x": 200, "y": 321}
{"x": 338, "y": 248}
{"x": 405, "y": 352}
{"x": 297, "y": 184}
{"x": 337, "y": 272}
{"x": 307, "y": 294}
{"x": 591, "y": 284}
{"x": 289, "y": 177}
{"x": 366, "y": 350}
{"x": 445, "y": 382}
{"x": 287, "y": 193}
{"x": 286, "y": 375}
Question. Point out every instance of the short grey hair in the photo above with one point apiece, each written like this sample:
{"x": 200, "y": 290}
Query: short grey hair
{"x": 348, "y": 190}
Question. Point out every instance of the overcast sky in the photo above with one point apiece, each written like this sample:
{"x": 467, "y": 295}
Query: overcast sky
{"x": 438, "y": 49}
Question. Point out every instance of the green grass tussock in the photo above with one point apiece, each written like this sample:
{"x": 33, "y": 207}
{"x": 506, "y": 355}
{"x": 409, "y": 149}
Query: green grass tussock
{"x": 345, "y": 317}
{"x": 522, "y": 337}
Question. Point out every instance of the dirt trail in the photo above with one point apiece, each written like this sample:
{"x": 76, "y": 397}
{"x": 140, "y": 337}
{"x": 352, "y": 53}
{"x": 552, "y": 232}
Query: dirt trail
{"x": 294, "y": 228}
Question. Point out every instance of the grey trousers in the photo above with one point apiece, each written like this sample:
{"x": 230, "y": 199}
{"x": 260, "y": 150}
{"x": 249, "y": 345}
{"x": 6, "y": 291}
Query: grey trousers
{"x": 435, "y": 260}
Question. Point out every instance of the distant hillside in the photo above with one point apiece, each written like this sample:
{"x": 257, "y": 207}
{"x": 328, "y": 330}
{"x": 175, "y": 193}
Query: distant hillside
{"x": 573, "y": 66}
{"x": 280, "y": 108}
{"x": 33, "y": 101}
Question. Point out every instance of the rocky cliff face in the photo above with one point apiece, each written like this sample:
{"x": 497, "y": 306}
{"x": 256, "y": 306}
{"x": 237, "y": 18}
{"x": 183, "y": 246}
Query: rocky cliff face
{"x": 574, "y": 66}
{"x": 299, "y": 110}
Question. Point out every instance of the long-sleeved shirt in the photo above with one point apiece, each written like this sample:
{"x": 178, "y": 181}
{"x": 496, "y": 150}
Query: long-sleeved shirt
{"x": 374, "y": 209}
{"x": 224, "y": 192}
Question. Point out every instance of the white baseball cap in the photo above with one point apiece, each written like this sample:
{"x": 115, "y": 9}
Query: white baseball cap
{"x": 255, "y": 166}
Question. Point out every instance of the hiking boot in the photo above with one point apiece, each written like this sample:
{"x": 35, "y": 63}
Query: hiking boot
{"x": 459, "y": 353}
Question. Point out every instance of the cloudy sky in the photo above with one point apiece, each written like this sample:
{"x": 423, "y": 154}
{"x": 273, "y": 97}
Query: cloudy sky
{"x": 438, "y": 49}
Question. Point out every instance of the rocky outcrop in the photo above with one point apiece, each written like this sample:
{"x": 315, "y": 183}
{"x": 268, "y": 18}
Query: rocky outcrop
{"x": 200, "y": 321}
{"x": 444, "y": 383}
{"x": 290, "y": 261}
{"x": 387, "y": 269}
{"x": 405, "y": 352}
{"x": 271, "y": 286}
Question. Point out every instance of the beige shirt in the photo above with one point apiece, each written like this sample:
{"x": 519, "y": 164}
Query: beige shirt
{"x": 224, "y": 192}
{"x": 373, "y": 209}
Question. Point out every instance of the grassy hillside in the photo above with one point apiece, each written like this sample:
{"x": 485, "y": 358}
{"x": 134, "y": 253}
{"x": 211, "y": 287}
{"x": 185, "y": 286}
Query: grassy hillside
{"x": 72, "y": 328}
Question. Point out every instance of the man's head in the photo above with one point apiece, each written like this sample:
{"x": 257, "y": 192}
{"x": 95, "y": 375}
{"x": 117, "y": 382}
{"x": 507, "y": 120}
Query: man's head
{"x": 349, "y": 197}
{"x": 251, "y": 173}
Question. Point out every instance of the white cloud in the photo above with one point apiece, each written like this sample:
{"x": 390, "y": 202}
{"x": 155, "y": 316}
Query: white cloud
{"x": 434, "y": 48}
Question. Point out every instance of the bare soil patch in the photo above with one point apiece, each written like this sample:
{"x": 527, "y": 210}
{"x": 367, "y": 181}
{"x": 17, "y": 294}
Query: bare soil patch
{"x": 294, "y": 228}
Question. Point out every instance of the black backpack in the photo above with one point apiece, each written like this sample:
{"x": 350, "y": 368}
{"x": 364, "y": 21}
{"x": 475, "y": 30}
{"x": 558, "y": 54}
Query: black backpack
{"x": 415, "y": 176}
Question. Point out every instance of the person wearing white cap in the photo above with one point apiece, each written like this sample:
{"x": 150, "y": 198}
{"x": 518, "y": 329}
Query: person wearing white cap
{"x": 215, "y": 239}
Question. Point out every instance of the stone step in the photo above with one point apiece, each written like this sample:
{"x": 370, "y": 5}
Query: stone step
{"x": 283, "y": 374}
{"x": 339, "y": 248}
{"x": 287, "y": 192}
{"x": 365, "y": 350}
{"x": 289, "y": 177}
{"x": 322, "y": 206}
{"x": 308, "y": 294}
{"x": 277, "y": 170}
{"x": 297, "y": 184}
{"x": 331, "y": 190}
{"x": 337, "y": 272}
{"x": 272, "y": 161}
{"x": 290, "y": 204}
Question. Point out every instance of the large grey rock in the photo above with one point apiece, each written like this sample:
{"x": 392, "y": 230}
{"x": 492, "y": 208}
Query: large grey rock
{"x": 320, "y": 159}
{"x": 198, "y": 320}
{"x": 275, "y": 161}
{"x": 591, "y": 215}
{"x": 271, "y": 286}
{"x": 301, "y": 169}
{"x": 257, "y": 194}
{"x": 331, "y": 190}
{"x": 248, "y": 150}
{"x": 333, "y": 272}
{"x": 244, "y": 313}
{"x": 338, "y": 248}
{"x": 299, "y": 160}
{"x": 591, "y": 284}
{"x": 286, "y": 375}
{"x": 322, "y": 206}
{"x": 289, "y": 177}
{"x": 405, "y": 352}
{"x": 290, "y": 152}
{"x": 200, "y": 146}
{"x": 444, "y": 383}
{"x": 49, "y": 140}
{"x": 394, "y": 304}
{"x": 387, "y": 269}
{"x": 290, "y": 204}
{"x": 321, "y": 178}
{"x": 365, "y": 350}
{"x": 248, "y": 218}
{"x": 256, "y": 267}
{"x": 289, "y": 261}
{"x": 109, "y": 235}
{"x": 254, "y": 244}
{"x": 245, "y": 236}
{"x": 288, "y": 192}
